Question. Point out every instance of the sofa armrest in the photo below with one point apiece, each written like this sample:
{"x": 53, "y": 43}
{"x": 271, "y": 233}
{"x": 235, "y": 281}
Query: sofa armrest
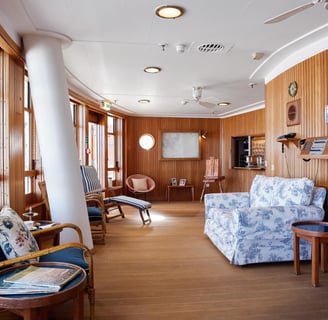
{"x": 229, "y": 200}
{"x": 272, "y": 222}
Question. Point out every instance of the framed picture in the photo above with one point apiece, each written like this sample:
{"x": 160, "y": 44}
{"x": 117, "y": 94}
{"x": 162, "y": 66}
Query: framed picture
{"x": 182, "y": 182}
{"x": 173, "y": 181}
{"x": 180, "y": 145}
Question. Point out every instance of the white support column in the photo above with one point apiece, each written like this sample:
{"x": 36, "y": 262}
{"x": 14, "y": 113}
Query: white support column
{"x": 55, "y": 132}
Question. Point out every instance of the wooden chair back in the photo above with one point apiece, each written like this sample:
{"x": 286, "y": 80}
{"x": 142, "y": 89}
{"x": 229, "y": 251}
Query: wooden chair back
{"x": 44, "y": 195}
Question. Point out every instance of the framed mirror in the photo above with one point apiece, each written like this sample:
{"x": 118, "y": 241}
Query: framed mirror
{"x": 180, "y": 145}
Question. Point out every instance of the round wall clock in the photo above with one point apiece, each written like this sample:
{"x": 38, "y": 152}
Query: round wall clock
{"x": 292, "y": 89}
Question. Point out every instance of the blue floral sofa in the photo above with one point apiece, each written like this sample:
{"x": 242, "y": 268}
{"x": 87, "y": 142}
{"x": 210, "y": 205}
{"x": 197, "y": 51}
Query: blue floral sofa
{"x": 255, "y": 226}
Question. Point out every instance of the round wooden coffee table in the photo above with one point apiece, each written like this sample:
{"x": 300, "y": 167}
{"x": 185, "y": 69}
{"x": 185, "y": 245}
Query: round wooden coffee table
{"x": 36, "y": 306}
{"x": 317, "y": 233}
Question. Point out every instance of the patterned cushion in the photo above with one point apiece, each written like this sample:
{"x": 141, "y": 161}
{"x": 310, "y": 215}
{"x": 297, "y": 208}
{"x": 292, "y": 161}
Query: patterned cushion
{"x": 289, "y": 192}
{"x": 261, "y": 191}
{"x": 140, "y": 184}
{"x": 318, "y": 196}
{"x": 15, "y": 238}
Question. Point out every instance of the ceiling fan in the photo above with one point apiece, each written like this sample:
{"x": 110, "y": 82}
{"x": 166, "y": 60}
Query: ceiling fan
{"x": 296, "y": 10}
{"x": 197, "y": 95}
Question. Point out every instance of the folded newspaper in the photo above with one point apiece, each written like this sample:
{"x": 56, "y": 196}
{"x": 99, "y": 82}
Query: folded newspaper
{"x": 35, "y": 279}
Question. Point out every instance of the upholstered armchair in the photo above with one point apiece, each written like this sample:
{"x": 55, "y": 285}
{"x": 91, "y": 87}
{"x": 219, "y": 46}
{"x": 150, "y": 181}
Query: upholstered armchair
{"x": 18, "y": 245}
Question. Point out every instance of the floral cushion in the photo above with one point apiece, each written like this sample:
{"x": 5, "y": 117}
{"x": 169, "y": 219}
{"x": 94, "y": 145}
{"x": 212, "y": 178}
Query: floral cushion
{"x": 291, "y": 192}
{"x": 15, "y": 237}
{"x": 261, "y": 191}
{"x": 276, "y": 191}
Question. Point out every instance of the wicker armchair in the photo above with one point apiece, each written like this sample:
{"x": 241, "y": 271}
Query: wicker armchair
{"x": 139, "y": 184}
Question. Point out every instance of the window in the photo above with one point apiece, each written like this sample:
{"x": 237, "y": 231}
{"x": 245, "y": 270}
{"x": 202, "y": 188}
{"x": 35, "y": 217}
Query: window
{"x": 98, "y": 139}
{"x": 114, "y": 148}
{"x": 28, "y": 140}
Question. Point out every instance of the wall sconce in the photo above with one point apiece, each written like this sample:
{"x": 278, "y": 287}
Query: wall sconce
{"x": 146, "y": 141}
{"x": 204, "y": 134}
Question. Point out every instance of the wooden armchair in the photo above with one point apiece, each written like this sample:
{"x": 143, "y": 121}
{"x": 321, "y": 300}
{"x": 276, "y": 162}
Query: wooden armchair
{"x": 97, "y": 217}
{"x": 73, "y": 253}
{"x": 96, "y": 213}
{"x": 92, "y": 185}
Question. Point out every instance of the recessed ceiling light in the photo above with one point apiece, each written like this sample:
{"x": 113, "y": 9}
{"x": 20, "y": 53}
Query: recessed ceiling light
{"x": 152, "y": 69}
{"x": 169, "y": 12}
{"x": 223, "y": 104}
{"x": 144, "y": 101}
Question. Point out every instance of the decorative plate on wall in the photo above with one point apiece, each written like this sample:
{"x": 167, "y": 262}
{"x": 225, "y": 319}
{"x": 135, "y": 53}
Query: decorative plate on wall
{"x": 294, "y": 112}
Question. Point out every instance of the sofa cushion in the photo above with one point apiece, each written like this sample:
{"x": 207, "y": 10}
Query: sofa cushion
{"x": 261, "y": 191}
{"x": 15, "y": 237}
{"x": 276, "y": 191}
{"x": 290, "y": 192}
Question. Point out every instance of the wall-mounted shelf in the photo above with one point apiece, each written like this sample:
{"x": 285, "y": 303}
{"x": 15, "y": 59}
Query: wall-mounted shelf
{"x": 286, "y": 142}
{"x": 315, "y": 148}
{"x": 316, "y": 156}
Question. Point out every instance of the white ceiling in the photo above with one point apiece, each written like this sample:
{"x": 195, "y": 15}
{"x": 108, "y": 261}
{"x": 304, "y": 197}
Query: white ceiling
{"x": 114, "y": 40}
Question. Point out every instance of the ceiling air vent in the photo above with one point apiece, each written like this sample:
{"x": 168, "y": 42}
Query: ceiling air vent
{"x": 213, "y": 48}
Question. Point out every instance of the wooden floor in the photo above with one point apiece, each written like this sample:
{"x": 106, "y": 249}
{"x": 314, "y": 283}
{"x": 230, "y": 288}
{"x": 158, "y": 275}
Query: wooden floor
{"x": 169, "y": 270}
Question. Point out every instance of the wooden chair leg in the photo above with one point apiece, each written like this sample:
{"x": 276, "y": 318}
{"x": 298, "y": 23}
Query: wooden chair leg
{"x": 142, "y": 212}
{"x": 203, "y": 191}
{"x": 111, "y": 208}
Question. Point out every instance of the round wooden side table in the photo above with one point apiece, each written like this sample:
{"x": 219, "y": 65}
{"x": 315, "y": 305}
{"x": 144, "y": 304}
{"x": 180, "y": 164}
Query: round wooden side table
{"x": 37, "y": 306}
{"x": 315, "y": 232}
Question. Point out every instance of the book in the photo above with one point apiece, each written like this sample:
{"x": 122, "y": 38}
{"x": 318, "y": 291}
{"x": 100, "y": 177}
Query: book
{"x": 35, "y": 277}
{"x": 7, "y": 288}
{"x": 45, "y": 225}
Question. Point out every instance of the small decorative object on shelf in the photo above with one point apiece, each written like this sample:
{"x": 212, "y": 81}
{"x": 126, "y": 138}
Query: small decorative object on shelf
{"x": 173, "y": 181}
{"x": 30, "y": 215}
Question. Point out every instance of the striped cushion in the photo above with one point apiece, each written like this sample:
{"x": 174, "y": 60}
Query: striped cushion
{"x": 90, "y": 178}
{"x": 141, "y": 204}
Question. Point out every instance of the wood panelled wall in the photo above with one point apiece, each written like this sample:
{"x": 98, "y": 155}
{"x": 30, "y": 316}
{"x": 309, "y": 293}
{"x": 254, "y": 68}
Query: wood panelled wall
{"x": 248, "y": 124}
{"x": 312, "y": 79}
{"x": 217, "y": 144}
{"x": 149, "y": 163}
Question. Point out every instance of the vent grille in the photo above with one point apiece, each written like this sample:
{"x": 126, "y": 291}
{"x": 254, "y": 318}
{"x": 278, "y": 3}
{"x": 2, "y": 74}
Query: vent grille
{"x": 211, "y": 48}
